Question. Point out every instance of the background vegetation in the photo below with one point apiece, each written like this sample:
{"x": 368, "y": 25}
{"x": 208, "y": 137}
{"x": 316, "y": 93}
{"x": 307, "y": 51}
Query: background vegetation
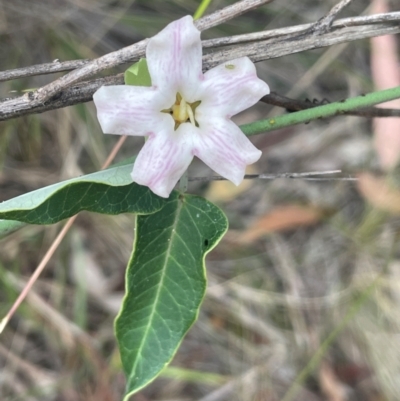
{"x": 303, "y": 299}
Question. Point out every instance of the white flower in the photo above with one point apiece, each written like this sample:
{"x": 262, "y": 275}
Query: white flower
{"x": 184, "y": 113}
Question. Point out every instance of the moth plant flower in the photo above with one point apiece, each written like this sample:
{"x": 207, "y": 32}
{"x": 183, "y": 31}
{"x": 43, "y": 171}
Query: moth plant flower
{"x": 185, "y": 112}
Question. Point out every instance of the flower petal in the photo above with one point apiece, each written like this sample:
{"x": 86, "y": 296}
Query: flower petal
{"x": 174, "y": 58}
{"x": 223, "y": 147}
{"x": 163, "y": 160}
{"x": 229, "y": 89}
{"x": 130, "y": 110}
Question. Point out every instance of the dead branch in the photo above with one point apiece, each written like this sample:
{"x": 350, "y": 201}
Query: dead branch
{"x": 267, "y": 49}
{"x": 134, "y": 51}
{"x": 323, "y": 25}
{"x": 278, "y": 34}
{"x": 257, "y": 46}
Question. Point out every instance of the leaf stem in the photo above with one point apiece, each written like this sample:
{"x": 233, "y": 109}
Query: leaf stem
{"x": 183, "y": 182}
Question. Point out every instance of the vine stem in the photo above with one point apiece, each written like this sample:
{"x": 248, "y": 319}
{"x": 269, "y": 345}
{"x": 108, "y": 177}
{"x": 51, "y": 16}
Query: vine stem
{"x": 327, "y": 110}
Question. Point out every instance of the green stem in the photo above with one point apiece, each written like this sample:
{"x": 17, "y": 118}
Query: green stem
{"x": 328, "y": 110}
{"x": 201, "y": 9}
{"x": 183, "y": 182}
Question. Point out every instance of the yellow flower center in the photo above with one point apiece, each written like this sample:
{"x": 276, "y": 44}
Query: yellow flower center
{"x": 182, "y": 111}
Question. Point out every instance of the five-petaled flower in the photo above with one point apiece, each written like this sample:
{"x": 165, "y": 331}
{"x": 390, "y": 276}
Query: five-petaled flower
{"x": 185, "y": 113}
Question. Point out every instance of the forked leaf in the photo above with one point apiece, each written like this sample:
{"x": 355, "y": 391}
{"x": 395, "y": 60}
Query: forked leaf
{"x": 165, "y": 284}
{"x": 110, "y": 192}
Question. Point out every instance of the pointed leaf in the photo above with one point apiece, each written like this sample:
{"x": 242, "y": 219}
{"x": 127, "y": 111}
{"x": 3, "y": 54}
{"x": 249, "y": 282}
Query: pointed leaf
{"x": 110, "y": 192}
{"x": 165, "y": 284}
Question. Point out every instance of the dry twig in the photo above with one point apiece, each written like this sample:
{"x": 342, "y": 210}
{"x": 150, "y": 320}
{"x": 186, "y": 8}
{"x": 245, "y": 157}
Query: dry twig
{"x": 134, "y": 51}
{"x": 308, "y": 176}
{"x": 277, "y": 34}
{"x": 276, "y": 45}
{"x": 324, "y": 24}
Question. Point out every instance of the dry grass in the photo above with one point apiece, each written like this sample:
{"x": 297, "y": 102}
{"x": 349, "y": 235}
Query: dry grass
{"x": 311, "y": 313}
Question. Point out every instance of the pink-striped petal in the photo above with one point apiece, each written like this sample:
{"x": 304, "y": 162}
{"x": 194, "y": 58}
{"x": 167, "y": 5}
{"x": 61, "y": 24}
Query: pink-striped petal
{"x": 131, "y": 110}
{"x": 163, "y": 159}
{"x": 174, "y": 58}
{"x": 223, "y": 147}
{"x": 229, "y": 89}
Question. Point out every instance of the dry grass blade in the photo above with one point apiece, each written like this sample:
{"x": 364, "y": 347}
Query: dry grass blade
{"x": 281, "y": 219}
{"x": 386, "y": 74}
{"x": 50, "y": 252}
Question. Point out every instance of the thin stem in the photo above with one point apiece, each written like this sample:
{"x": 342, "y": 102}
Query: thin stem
{"x": 52, "y": 249}
{"x": 292, "y": 105}
{"x": 183, "y": 182}
{"x": 37, "y": 272}
{"x": 328, "y": 110}
{"x": 325, "y": 23}
{"x": 304, "y": 176}
{"x": 201, "y": 9}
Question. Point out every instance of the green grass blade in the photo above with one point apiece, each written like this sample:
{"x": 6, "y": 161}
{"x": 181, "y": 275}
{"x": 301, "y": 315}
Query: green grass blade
{"x": 201, "y": 9}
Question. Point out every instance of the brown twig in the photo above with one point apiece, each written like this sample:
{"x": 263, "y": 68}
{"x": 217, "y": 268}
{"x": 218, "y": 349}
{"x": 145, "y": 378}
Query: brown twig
{"x": 293, "y": 32}
{"x": 276, "y": 34}
{"x": 324, "y": 24}
{"x": 83, "y": 92}
{"x": 134, "y": 51}
{"x": 267, "y": 49}
{"x": 228, "y": 13}
{"x": 41, "y": 69}
{"x": 256, "y": 51}
{"x": 309, "y": 176}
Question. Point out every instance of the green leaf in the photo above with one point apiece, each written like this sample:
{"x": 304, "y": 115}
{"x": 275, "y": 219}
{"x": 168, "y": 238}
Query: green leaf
{"x": 109, "y": 191}
{"x": 165, "y": 284}
{"x": 7, "y": 227}
{"x": 138, "y": 74}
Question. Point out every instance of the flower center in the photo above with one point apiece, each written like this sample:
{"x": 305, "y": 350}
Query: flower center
{"x": 182, "y": 111}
